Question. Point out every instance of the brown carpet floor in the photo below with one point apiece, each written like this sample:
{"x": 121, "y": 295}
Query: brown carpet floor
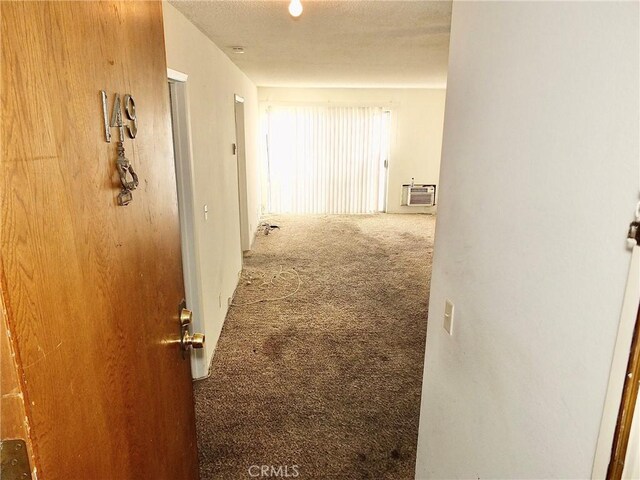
{"x": 328, "y": 379}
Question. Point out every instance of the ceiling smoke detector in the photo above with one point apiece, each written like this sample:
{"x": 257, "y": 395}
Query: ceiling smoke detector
{"x": 237, "y": 49}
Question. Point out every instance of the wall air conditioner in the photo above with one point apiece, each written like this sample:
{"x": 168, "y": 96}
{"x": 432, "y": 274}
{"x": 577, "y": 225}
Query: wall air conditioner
{"x": 419, "y": 195}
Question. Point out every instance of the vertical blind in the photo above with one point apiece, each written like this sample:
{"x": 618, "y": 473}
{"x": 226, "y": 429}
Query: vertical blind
{"x": 324, "y": 159}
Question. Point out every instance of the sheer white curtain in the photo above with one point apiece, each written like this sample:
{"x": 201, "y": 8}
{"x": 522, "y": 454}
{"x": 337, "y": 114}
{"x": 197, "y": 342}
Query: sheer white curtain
{"x": 326, "y": 159}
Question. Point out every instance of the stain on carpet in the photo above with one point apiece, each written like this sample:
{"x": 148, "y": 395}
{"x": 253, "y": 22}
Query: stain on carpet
{"x": 326, "y": 380}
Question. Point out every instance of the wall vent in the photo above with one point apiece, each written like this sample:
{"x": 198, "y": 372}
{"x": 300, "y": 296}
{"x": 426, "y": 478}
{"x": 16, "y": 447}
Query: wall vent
{"x": 419, "y": 195}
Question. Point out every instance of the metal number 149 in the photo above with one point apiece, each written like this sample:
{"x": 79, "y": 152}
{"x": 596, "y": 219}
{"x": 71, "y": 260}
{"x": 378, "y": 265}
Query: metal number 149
{"x": 116, "y": 116}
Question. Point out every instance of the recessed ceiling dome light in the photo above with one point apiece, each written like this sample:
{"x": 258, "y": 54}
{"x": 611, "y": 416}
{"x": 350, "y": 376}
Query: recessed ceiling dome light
{"x": 237, "y": 49}
{"x": 295, "y": 8}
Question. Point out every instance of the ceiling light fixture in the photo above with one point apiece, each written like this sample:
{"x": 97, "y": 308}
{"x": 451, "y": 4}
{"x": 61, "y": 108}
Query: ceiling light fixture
{"x": 295, "y": 8}
{"x": 237, "y": 49}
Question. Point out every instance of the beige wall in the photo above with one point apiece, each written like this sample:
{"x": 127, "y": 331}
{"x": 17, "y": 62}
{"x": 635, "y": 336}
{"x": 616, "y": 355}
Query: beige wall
{"x": 417, "y": 118}
{"x": 539, "y": 183}
{"x": 213, "y": 81}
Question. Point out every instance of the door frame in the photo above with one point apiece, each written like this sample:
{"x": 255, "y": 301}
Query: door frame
{"x": 183, "y": 158}
{"x": 241, "y": 167}
{"x": 618, "y": 371}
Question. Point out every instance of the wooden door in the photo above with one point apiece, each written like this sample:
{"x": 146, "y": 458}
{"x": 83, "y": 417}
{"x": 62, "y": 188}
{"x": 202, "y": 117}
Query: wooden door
{"x": 92, "y": 288}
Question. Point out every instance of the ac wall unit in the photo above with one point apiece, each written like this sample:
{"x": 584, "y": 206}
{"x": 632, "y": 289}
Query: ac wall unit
{"x": 421, "y": 195}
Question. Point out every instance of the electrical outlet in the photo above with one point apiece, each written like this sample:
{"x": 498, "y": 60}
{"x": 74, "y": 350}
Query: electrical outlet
{"x": 448, "y": 316}
{"x": 206, "y": 211}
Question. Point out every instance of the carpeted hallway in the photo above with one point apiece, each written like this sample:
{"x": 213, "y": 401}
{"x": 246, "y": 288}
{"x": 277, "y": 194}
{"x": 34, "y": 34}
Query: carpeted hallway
{"x": 327, "y": 379}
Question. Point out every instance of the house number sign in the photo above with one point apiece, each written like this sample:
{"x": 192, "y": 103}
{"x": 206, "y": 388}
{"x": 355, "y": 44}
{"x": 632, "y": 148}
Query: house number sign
{"x": 128, "y": 177}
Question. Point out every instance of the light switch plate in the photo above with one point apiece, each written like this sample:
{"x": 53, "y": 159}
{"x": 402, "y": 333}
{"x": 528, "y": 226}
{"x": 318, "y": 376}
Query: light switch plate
{"x": 448, "y": 316}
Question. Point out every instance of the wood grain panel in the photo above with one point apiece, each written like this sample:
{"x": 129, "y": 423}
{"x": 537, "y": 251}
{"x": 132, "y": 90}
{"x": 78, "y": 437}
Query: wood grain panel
{"x": 13, "y": 420}
{"x": 91, "y": 288}
{"x": 13, "y": 417}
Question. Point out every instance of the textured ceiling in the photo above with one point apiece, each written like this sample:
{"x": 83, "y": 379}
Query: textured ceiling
{"x": 349, "y": 43}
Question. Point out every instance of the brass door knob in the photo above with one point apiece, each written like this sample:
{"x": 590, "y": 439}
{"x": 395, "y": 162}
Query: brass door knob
{"x": 194, "y": 341}
{"x": 186, "y": 316}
